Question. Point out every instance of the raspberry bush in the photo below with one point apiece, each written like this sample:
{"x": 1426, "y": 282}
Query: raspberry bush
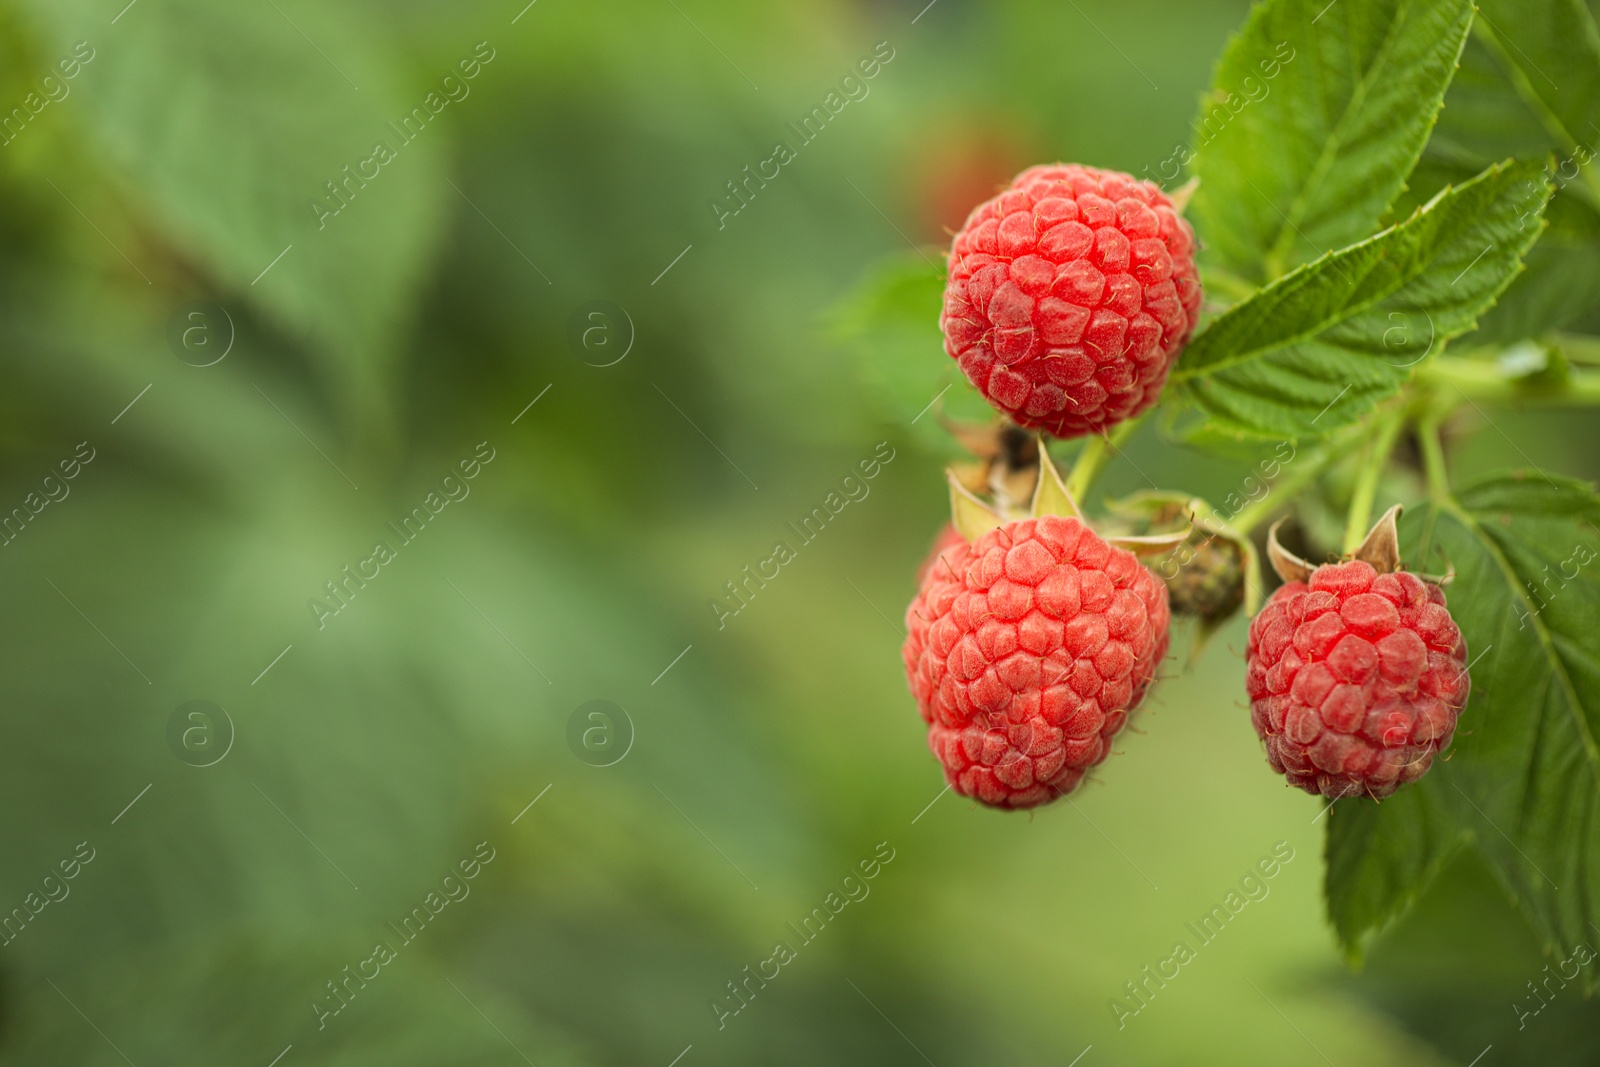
{"x": 1368, "y": 259}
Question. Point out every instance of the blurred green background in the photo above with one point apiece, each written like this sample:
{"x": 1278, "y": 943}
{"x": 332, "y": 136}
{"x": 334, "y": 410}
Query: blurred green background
{"x": 242, "y": 860}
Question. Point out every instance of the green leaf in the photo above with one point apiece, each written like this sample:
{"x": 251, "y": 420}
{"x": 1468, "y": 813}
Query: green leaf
{"x": 1562, "y": 280}
{"x": 1317, "y": 114}
{"x": 1549, "y": 52}
{"x": 890, "y": 325}
{"x": 1502, "y": 103}
{"x": 1523, "y": 777}
{"x": 226, "y": 121}
{"x": 1485, "y": 117}
{"x": 1316, "y": 349}
{"x": 1373, "y": 876}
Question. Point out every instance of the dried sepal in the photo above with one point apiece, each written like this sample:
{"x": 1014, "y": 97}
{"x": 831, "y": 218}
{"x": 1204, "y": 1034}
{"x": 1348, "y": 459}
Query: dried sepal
{"x": 982, "y": 439}
{"x": 1150, "y": 544}
{"x": 1382, "y": 545}
{"x": 1050, "y": 496}
{"x": 974, "y": 477}
{"x": 971, "y": 517}
{"x": 1006, "y": 467}
{"x": 1181, "y": 195}
{"x": 1290, "y": 567}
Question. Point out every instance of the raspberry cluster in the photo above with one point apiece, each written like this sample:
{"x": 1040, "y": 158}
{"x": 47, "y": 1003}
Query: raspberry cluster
{"x": 1069, "y": 297}
{"x": 1026, "y": 650}
{"x": 1355, "y": 679}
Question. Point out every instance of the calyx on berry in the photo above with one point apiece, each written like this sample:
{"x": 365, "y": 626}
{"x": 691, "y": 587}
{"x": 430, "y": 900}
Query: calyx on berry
{"x": 973, "y": 517}
{"x": 1380, "y": 548}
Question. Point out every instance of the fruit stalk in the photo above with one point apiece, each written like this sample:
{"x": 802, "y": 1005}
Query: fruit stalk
{"x": 1475, "y": 380}
{"x": 1366, "y": 487}
{"x": 1305, "y": 470}
{"x": 1096, "y": 451}
{"x": 1433, "y": 458}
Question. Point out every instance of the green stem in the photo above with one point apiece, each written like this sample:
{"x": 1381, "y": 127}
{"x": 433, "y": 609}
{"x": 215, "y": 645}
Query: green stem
{"x": 1229, "y": 285}
{"x": 1124, "y": 430}
{"x": 1433, "y": 457}
{"x": 1578, "y": 348}
{"x": 1096, "y": 450}
{"x": 1481, "y": 380}
{"x": 1300, "y": 472}
{"x": 1366, "y": 486}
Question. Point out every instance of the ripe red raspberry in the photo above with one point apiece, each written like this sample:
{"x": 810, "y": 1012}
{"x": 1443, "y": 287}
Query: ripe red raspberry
{"x": 1025, "y": 651}
{"x": 1355, "y": 679}
{"x": 1069, "y": 297}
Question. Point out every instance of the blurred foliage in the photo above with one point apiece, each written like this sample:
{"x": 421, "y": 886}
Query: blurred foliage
{"x": 369, "y": 756}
